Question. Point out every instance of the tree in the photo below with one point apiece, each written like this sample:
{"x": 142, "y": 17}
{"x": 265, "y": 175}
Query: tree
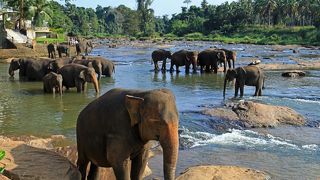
{"x": 147, "y": 18}
{"x": 40, "y": 11}
{"x": 187, "y": 2}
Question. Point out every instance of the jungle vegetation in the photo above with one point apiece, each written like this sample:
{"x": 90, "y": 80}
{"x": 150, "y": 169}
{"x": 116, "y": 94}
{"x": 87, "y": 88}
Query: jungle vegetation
{"x": 241, "y": 21}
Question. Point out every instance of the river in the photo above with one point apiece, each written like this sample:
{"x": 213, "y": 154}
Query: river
{"x": 284, "y": 152}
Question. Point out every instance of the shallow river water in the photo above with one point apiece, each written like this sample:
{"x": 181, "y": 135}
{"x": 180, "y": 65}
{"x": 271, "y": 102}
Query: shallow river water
{"x": 284, "y": 152}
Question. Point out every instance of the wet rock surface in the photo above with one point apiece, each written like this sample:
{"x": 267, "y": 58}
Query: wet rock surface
{"x": 293, "y": 73}
{"x": 222, "y": 173}
{"x": 255, "y": 115}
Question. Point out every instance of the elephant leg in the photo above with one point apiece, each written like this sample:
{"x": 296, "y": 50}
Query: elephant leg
{"x": 155, "y": 65}
{"x": 236, "y": 90}
{"x": 139, "y": 164}
{"x": 83, "y": 86}
{"x": 215, "y": 67}
{"x": 229, "y": 63}
{"x": 164, "y": 63}
{"x": 171, "y": 68}
{"x": 82, "y": 165}
{"x": 225, "y": 66}
{"x": 241, "y": 90}
{"x": 122, "y": 170}
{"x": 79, "y": 86}
{"x": 94, "y": 172}
{"x": 177, "y": 69}
{"x": 187, "y": 68}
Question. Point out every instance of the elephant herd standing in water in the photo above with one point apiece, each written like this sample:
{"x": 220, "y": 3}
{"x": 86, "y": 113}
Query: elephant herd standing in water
{"x": 114, "y": 129}
{"x": 209, "y": 60}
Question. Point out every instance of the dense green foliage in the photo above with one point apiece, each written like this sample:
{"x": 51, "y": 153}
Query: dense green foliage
{"x": 250, "y": 21}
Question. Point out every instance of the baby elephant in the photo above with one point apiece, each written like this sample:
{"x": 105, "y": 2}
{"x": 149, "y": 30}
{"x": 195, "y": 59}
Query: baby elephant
{"x": 52, "y": 83}
{"x": 247, "y": 75}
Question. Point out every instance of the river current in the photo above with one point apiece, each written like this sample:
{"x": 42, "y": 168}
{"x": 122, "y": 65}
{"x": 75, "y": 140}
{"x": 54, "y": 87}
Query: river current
{"x": 285, "y": 152}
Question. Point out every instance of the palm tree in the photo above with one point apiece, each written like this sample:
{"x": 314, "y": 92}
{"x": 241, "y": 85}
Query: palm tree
{"x": 40, "y": 11}
{"x": 187, "y": 2}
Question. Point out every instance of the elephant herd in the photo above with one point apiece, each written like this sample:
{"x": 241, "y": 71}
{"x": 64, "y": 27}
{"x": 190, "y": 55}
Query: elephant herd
{"x": 209, "y": 60}
{"x": 67, "y": 72}
{"x": 83, "y": 46}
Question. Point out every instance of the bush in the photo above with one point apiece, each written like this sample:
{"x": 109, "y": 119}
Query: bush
{"x": 196, "y": 35}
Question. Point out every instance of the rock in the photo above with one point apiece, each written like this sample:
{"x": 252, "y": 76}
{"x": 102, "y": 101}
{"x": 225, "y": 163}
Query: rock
{"x": 253, "y": 114}
{"x": 223, "y": 113}
{"x": 222, "y": 173}
{"x": 256, "y": 62}
{"x": 25, "y": 162}
{"x": 293, "y": 73}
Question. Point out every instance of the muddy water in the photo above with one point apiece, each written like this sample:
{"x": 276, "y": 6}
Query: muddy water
{"x": 284, "y": 152}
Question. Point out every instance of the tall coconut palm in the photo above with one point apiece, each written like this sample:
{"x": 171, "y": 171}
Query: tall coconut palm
{"x": 40, "y": 11}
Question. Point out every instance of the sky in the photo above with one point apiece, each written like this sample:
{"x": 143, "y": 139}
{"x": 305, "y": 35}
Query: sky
{"x": 161, "y": 7}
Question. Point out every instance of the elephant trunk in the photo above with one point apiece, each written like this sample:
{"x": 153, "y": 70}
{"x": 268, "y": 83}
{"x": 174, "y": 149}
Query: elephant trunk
{"x": 60, "y": 88}
{"x": 96, "y": 84}
{"x": 11, "y": 72}
{"x": 170, "y": 144}
{"x": 224, "y": 87}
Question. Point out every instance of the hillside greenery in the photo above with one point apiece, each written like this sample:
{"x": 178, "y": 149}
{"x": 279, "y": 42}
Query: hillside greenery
{"x": 242, "y": 21}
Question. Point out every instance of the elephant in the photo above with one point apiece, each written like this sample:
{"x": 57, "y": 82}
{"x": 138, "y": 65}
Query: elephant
{"x": 30, "y": 69}
{"x": 85, "y": 46}
{"x": 56, "y": 64}
{"x": 114, "y": 131}
{"x": 184, "y": 58}
{"x": 230, "y": 56}
{"x": 52, "y": 82}
{"x": 76, "y": 75}
{"x": 160, "y": 55}
{"x": 63, "y": 48}
{"x": 107, "y": 66}
{"x": 247, "y": 75}
{"x": 51, "y": 51}
{"x": 210, "y": 58}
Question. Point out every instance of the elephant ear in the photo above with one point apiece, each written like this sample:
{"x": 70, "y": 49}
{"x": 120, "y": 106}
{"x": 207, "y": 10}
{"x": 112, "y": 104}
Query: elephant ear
{"x": 81, "y": 75}
{"x": 133, "y": 105}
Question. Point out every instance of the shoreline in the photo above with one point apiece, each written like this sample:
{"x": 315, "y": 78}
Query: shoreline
{"x": 41, "y": 52}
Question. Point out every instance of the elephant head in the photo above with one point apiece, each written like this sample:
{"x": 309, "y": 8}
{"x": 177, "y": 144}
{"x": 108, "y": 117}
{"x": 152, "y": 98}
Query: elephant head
{"x": 168, "y": 54}
{"x": 89, "y": 75}
{"x": 58, "y": 82}
{"x": 157, "y": 119}
{"x": 14, "y": 65}
{"x": 192, "y": 58}
{"x": 230, "y": 76}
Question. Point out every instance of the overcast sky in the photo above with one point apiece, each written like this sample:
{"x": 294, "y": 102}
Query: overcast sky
{"x": 161, "y": 7}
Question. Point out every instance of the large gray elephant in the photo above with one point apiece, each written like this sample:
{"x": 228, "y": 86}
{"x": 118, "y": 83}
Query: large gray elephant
{"x": 230, "y": 56}
{"x": 30, "y": 69}
{"x": 52, "y": 82}
{"x": 63, "y": 48}
{"x": 184, "y": 58}
{"x": 114, "y": 131}
{"x": 101, "y": 65}
{"x": 76, "y": 75}
{"x": 160, "y": 55}
{"x": 210, "y": 58}
{"x": 247, "y": 75}
{"x": 56, "y": 64}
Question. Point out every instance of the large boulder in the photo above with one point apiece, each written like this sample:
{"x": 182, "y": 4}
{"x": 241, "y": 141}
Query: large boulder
{"x": 253, "y": 114}
{"x": 222, "y": 173}
{"x": 26, "y": 162}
